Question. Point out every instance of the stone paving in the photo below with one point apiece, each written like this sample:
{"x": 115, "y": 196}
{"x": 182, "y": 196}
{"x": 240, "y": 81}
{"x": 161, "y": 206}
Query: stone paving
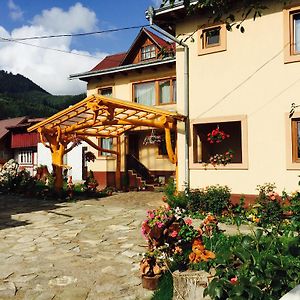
{"x": 84, "y": 250}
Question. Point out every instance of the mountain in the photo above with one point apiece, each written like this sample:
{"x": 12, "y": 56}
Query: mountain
{"x": 19, "y": 96}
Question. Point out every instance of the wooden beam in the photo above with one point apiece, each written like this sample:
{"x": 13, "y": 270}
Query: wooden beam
{"x": 98, "y": 147}
{"x": 118, "y": 167}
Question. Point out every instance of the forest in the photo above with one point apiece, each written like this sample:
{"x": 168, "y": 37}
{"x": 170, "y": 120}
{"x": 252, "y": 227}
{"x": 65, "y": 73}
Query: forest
{"x": 19, "y": 96}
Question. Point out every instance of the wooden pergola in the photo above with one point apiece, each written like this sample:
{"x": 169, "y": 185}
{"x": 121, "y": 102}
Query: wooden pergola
{"x": 100, "y": 116}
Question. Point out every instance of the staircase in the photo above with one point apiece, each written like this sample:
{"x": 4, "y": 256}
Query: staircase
{"x": 139, "y": 177}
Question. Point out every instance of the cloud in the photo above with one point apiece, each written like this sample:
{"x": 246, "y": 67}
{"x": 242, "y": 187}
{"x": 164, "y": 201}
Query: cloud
{"x": 15, "y": 11}
{"x": 77, "y": 18}
{"x": 50, "y": 69}
{"x": 156, "y": 3}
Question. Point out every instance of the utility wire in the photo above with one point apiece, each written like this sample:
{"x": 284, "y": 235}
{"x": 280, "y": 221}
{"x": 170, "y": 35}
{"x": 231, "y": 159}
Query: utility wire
{"x": 78, "y": 34}
{"x": 48, "y": 48}
{"x": 243, "y": 82}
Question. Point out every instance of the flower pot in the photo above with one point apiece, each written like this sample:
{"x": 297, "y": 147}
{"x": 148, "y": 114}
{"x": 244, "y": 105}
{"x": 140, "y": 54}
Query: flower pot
{"x": 150, "y": 282}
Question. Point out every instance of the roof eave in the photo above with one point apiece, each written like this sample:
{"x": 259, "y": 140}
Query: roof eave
{"x": 121, "y": 69}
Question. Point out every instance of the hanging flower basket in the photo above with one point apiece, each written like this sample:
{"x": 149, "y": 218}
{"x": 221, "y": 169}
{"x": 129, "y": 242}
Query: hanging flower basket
{"x": 217, "y": 136}
{"x": 152, "y": 138}
{"x": 90, "y": 156}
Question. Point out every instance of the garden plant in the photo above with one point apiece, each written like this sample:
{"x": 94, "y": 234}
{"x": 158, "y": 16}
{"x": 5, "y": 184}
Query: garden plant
{"x": 263, "y": 264}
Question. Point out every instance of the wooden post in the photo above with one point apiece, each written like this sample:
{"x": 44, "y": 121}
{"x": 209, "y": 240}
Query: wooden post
{"x": 58, "y": 151}
{"x": 118, "y": 167}
{"x": 170, "y": 151}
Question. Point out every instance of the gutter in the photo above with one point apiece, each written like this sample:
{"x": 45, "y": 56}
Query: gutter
{"x": 121, "y": 68}
{"x": 170, "y": 8}
{"x": 150, "y": 15}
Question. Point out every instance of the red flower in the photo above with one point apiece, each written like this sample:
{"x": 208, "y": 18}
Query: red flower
{"x": 188, "y": 221}
{"x": 174, "y": 234}
{"x": 234, "y": 280}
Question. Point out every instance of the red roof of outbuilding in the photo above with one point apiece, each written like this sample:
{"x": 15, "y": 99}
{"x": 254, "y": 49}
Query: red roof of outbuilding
{"x": 8, "y": 123}
{"x": 110, "y": 61}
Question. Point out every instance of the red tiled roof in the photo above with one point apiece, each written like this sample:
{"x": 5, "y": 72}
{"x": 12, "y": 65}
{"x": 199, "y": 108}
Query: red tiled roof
{"x": 116, "y": 60}
{"x": 110, "y": 61}
{"x": 8, "y": 123}
{"x": 158, "y": 40}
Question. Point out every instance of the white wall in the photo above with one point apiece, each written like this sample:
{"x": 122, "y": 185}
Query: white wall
{"x": 250, "y": 78}
{"x": 73, "y": 159}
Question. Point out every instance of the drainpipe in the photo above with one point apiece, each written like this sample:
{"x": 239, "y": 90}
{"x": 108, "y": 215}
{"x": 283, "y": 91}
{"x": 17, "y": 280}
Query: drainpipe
{"x": 151, "y": 14}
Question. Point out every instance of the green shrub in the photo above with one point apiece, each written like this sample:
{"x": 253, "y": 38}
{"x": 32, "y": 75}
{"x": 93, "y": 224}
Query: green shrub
{"x": 196, "y": 201}
{"x": 214, "y": 199}
{"x": 217, "y": 198}
{"x": 174, "y": 199}
{"x": 270, "y": 210}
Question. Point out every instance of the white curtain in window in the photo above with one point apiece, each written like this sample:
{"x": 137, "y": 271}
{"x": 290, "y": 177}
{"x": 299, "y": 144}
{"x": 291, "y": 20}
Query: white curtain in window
{"x": 297, "y": 32}
{"x": 164, "y": 91}
{"x": 145, "y": 93}
{"x": 106, "y": 144}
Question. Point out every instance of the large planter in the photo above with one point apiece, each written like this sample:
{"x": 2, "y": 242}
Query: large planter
{"x": 150, "y": 282}
{"x": 190, "y": 285}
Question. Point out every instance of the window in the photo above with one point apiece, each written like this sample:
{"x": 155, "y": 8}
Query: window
{"x": 212, "y": 39}
{"x": 296, "y": 140}
{"x": 155, "y": 92}
{"x": 105, "y": 143}
{"x": 292, "y": 34}
{"x": 223, "y": 140}
{"x": 148, "y": 52}
{"x": 107, "y": 92}
{"x": 25, "y": 157}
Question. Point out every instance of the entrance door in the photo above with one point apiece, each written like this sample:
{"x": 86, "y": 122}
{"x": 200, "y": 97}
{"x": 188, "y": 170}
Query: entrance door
{"x": 133, "y": 144}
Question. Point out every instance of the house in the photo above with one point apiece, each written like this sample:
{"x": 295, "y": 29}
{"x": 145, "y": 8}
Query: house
{"x": 23, "y": 144}
{"x": 6, "y": 152}
{"x": 26, "y": 148}
{"x": 145, "y": 74}
{"x": 242, "y": 84}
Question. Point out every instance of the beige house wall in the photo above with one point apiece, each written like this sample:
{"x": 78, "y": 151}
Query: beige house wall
{"x": 250, "y": 78}
{"x": 122, "y": 89}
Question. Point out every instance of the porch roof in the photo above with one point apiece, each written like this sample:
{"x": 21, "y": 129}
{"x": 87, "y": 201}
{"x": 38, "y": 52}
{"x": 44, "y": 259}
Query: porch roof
{"x": 98, "y": 115}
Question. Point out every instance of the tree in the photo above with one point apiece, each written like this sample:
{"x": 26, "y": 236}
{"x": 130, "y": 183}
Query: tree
{"x": 226, "y": 10}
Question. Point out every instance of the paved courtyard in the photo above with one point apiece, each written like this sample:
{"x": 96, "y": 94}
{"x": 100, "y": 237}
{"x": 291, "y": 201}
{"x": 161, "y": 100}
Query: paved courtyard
{"x": 73, "y": 250}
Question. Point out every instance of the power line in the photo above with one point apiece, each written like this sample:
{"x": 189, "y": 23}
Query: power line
{"x": 48, "y": 48}
{"x": 78, "y": 34}
{"x": 243, "y": 82}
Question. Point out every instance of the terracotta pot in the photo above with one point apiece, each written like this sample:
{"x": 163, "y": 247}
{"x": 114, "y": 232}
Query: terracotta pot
{"x": 150, "y": 283}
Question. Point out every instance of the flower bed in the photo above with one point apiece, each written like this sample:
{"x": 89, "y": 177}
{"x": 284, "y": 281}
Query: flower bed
{"x": 240, "y": 266}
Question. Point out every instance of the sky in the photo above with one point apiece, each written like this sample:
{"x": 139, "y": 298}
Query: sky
{"x": 50, "y": 69}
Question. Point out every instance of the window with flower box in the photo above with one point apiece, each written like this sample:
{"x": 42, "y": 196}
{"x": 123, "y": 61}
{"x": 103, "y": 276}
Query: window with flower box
{"x": 221, "y": 143}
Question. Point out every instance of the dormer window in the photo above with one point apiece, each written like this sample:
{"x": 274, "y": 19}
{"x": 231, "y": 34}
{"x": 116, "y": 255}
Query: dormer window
{"x": 148, "y": 52}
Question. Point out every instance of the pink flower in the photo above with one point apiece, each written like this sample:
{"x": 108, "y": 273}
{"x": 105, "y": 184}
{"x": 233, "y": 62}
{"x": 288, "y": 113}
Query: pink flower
{"x": 234, "y": 280}
{"x": 151, "y": 215}
{"x": 174, "y": 234}
{"x": 160, "y": 224}
{"x": 188, "y": 221}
